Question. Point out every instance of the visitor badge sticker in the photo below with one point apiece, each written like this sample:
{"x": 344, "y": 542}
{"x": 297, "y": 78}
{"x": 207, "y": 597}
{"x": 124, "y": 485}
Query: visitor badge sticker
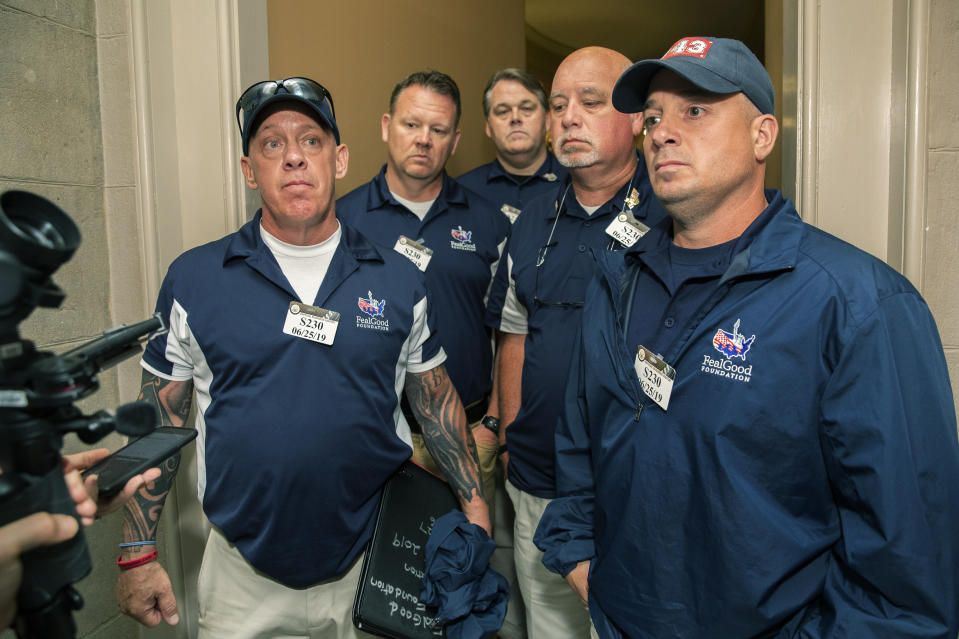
{"x": 414, "y": 251}
{"x": 311, "y": 322}
{"x": 655, "y": 376}
{"x": 511, "y": 212}
{"x": 626, "y": 229}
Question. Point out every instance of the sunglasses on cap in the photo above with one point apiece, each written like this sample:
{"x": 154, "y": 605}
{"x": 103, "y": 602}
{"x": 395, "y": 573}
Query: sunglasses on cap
{"x": 261, "y": 92}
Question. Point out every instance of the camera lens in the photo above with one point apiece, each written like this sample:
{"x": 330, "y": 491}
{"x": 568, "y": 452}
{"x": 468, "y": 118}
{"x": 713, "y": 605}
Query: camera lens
{"x": 36, "y": 231}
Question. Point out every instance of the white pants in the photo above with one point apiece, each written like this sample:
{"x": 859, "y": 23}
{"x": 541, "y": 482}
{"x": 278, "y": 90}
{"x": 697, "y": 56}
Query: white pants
{"x": 239, "y": 602}
{"x": 553, "y": 610}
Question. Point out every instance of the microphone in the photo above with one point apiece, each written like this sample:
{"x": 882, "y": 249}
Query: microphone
{"x": 137, "y": 419}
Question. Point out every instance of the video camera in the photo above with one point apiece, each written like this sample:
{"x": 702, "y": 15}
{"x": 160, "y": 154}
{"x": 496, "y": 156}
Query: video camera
{"x": 37, "y": 394}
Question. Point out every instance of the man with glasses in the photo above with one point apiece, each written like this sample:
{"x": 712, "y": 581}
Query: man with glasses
{"x": 606, "y": 203}
{"x": 297, "y": 335}
{"x": 760, "y": 436}
{"x": 454, "y": 236}
{"x": 515, "y": 107}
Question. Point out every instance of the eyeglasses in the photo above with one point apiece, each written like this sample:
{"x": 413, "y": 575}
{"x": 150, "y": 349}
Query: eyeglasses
{"x": 260, "y": 92}
{"x": 541, "y": 259}
{"x": 550, "y": 303}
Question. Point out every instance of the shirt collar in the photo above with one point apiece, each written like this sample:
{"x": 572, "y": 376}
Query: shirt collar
{"x": 548, "y": 171}
{"x": 247, "y": 242}
{"x": 615, "y": 204}
{"x": 451, "y": 193}
{"x": 769, "y": 243}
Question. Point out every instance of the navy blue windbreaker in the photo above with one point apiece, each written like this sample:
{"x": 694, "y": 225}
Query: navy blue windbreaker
{"x": 807, "y": 485}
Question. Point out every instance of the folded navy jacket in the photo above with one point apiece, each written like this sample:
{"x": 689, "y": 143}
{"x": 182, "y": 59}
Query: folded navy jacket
{"x": 470, "y": 596}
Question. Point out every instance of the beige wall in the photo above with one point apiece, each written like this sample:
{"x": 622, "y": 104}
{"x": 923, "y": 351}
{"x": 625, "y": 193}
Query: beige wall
{"x": 940, "y": 273}
{"x": 359, "y": 50}
{"x": 66, "y": 134}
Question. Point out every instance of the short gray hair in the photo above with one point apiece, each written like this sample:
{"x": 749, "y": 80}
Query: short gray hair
{"x": 528, "y": 80}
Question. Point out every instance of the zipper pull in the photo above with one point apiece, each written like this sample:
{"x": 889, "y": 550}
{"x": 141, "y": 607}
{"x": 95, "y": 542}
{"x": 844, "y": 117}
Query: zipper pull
{"x": 639, "y": 411}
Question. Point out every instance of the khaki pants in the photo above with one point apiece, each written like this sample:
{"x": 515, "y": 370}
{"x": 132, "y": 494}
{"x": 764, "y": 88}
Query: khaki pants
{"x": 487, "y": 468}
{"x": 553, "y": 610}
{"x": 514, "y": 625}
{"x": 239, "y": 602}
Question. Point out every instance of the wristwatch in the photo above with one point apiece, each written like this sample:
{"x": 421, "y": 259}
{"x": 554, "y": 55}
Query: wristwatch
{"x": 491, "y": 423}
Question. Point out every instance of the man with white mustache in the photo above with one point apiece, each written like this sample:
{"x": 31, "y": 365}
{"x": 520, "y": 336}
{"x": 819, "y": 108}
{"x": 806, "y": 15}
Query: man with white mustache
{"x": 606, "y": 203}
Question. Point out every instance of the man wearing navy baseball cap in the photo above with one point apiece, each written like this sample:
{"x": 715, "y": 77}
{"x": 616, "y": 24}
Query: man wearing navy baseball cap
{"x": 297, "y": 336}
{"x": 759, "y": 436}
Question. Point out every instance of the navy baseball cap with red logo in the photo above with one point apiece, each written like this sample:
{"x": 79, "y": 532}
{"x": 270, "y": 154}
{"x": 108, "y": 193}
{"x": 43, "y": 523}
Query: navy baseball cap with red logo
{"x": 715, "y": 65}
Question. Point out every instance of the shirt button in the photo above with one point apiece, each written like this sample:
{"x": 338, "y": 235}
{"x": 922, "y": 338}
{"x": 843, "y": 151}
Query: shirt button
{"x": 587, "y": 224}
{"x": 669, "y": 322}
{"x": 582, "y": 248}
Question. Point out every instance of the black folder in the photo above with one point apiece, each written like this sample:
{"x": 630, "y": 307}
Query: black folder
{"x": 387, "y": 599}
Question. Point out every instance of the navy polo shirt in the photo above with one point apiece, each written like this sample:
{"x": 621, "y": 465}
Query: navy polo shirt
{"x": 551, "y": 297}
{"x": 467, "y": 236}
{"x": 670, "y": 286}
{"x": 296, "y": 438}
{"x": 502, "y": 188}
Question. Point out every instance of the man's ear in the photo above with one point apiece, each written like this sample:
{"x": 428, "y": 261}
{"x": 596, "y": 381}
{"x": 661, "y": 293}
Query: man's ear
{"x": 636, "y": 123}
{"x": 456, "y": 141}
{"x": 248, "y": 174}
{"x": 385, "y": 127}
{"x": 342, "y": 161}
{"x": 765, "y": 129}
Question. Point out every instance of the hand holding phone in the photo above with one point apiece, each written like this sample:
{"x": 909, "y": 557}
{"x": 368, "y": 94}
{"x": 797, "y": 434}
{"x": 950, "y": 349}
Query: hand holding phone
{"x": 137, "y": 456}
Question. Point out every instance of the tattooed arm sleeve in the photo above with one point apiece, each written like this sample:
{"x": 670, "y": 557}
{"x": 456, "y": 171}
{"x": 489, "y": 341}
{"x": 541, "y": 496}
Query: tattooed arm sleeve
{"x": 440, "y": 412}
{"x": 173, "y": 400}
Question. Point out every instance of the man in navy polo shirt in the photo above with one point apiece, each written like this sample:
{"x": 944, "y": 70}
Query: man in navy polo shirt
{"x": 760, "y": 436}
{"x": 298, "y": 336}
{"x": 514, "y": 103}
{"x": 413, "y": 208}
{"x": 606, "y": 203}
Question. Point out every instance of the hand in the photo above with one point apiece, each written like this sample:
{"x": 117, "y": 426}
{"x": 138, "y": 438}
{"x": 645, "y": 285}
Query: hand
{"x": 86, "y": 492}
{"x": 578, "y": 580}
{"x": 486, "y": 437}
{"x": 145, "y": 594}
{"x": 38, "y": 529}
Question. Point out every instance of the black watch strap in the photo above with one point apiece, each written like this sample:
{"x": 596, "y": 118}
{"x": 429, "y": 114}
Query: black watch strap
{"x": 491, "y": 423}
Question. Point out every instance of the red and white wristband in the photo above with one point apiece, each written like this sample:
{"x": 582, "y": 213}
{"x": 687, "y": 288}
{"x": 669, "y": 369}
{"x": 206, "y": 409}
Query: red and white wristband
{"x": 139, "y": 561}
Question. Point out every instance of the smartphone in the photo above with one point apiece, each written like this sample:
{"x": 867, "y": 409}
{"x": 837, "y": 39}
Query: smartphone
{"x": 144, "y": 453}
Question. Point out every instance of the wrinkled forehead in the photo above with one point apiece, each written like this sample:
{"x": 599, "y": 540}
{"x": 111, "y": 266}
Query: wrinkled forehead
{"x": 511, "y": 90}
{"x": 577, "y": 76}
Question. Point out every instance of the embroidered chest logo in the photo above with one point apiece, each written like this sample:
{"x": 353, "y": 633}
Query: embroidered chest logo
{"x": 462, "y": 239}
{"x": 374, "y": 309}
{"x": 731, "y": 345}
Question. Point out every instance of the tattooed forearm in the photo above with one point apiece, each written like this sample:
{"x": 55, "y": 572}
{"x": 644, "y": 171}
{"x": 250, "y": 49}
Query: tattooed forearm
{"x": 173, "y": 400}
{"x": 142, "y": 512}
{"x": 439, "y": 411}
